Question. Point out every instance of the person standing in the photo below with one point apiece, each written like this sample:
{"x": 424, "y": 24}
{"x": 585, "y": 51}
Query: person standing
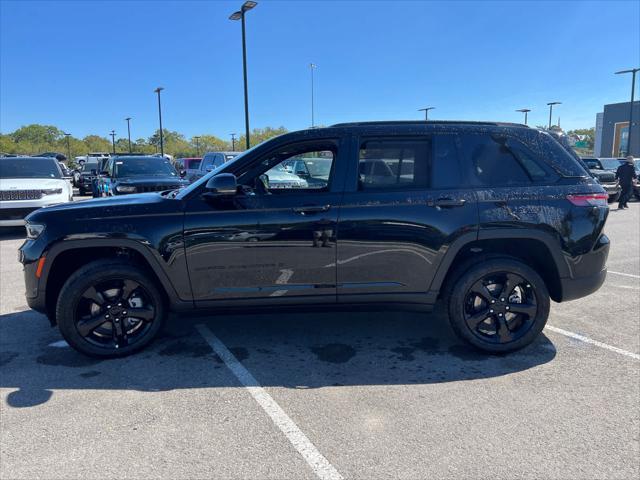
{"x": 625, "y": 174}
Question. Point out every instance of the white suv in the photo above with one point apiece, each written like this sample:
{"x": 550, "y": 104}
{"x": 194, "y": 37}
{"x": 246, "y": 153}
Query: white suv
{"x": 28, "y": 183}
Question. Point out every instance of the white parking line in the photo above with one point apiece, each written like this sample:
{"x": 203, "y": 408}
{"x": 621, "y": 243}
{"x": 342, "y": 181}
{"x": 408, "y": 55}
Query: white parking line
{"x": 582, "y": 338}
{"x": 624, "y": 274}
{"x": 318, "y": 463}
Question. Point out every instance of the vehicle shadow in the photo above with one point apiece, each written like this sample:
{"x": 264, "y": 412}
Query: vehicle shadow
{"x": 292, "y": 350}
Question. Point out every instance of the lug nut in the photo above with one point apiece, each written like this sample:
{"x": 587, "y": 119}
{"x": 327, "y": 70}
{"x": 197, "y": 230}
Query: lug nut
{"x": 117, "y": 320}
{"x": 108, "y": 307}
{"x": 490, "y": 311}
{"x": 493, "y": 301}
{"x": 507, "y": 308}
{"x": 528, "y": 285}
{"x": 498, "y": 315}
{"x": 119, "y": 304}
{"x": 106, "y": 316}
{"x": 124, "y": 313}
{"x": 502, "y": 299}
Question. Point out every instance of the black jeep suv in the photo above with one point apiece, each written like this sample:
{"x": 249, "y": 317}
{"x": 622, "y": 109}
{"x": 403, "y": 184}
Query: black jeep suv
{"x": 496, "y": 219}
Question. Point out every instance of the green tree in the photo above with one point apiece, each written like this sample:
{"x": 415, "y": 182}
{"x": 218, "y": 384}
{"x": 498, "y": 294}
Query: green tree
{"x": 259, "y": 135}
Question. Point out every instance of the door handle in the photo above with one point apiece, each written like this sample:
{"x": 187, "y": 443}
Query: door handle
{"x": 311, "y": 209}
{"x": 449, "y": 202}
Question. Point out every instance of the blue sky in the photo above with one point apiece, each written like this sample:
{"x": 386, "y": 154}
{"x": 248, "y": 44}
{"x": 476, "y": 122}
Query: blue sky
{"x": 85, "y": 66}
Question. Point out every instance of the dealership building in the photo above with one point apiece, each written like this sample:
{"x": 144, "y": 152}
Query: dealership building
{"x": 612, "y": 130}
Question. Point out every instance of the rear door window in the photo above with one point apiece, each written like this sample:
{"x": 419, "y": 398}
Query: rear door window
{"x": 393, "y": 164}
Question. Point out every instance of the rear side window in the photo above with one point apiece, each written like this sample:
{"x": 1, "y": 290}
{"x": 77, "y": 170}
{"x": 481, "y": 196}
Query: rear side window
{"x": 393, "y": 164}
{"x": 491, "y": 162}
{"x": 445, "y": 169}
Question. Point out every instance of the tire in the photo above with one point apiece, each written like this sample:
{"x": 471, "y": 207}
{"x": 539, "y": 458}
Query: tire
{"x": 94, "y": 309}
{"x": 488, "y": 320}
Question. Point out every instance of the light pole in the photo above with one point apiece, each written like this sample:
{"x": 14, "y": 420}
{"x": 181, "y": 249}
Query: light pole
{"x": 113, "y": 140}
{"x": 158, "y": 90}
{"x": 525, "y": 111}
{"x": 239, "y": 15}
{"x": 632, "y": 71}
{"x": 68, "y": 146}
{"x": 551, "y": 104}
{"x": 128, "y": 119}
{"x": 426, "y": 112}
{"x": 197, "y": 146}
{"x": 312, "y": 67}
{"x": 233, "y": 142}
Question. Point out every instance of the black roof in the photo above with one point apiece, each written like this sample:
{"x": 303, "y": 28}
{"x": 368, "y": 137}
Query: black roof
{"x": 429, "y": 122}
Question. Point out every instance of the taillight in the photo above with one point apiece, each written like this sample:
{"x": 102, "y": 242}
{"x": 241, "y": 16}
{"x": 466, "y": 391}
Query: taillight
{"x": 589, "y": 199}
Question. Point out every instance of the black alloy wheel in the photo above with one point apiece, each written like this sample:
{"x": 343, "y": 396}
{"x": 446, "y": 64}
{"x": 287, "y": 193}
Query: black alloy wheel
{"x": 114, "y": 314}
{"x": 110, "y": 308}
{"x": 500, "y": 307}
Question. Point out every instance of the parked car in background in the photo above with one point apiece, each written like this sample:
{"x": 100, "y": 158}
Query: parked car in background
{"x": 494, "y": 219}
{"x": 606, "y": 177}
{"x": 636, "y": 165}
{"x": 189, "y": 163}
{"x": 210, "y": 161}
{"x": 29, "y": 183}
{"x": 58, "y": 156}
{"x": 138, "y": 174}
{"x": 314, "y": 170}
{"x": 89, "y": 170}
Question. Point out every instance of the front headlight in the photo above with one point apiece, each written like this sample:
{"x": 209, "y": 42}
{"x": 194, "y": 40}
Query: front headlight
{"x": 52, "y": 191}
{"x": 125, "y": 188}
{"x": 34, "y": 230}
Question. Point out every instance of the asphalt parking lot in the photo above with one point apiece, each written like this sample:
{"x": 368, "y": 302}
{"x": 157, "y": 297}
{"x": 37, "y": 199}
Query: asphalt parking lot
{"x": 354, "y": 394}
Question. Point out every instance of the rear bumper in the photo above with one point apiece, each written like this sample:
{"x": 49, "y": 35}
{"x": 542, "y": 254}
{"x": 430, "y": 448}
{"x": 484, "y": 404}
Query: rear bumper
{"x": 573, "y": 288}
{"x": 588, "y": 272}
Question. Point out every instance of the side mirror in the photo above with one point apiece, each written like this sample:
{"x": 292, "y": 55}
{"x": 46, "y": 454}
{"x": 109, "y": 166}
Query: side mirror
{"x": 223, "y": 184}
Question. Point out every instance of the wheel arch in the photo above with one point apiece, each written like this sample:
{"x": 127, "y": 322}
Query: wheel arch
{"x": 532, "y": 247}
{"x": 66, "y": 257}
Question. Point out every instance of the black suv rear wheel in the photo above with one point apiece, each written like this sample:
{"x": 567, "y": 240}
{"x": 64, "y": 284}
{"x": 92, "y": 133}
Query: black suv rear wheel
{"x": 109, "y": 308}
{"x": 498, "y": 305}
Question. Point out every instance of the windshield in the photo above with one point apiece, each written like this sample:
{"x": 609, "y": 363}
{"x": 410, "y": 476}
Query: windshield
{"x": 88, "y": 166}
{"x": 610, "y": 163}
{"x": 318, "y": 167}
{"x": 43, "y": 167}
{"x": 593, "y": 164}
{"x": 131, "y": 167}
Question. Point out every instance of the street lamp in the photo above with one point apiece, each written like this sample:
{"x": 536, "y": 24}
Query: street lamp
{"x": 197, "y": 146}
{"x": 158, "y": 90}
{"x": 68, "y": 146}
{"x": 113, "y": 140}
{"x": 426, "y": 112}
{"x": 525, "y": 111}
{"x": 233, "y": 142}
{"x": 551, "y": 104}
{"x": 239, "y": 15}
{"x": 632, "y": 71}
{"x": 312, "y": 67}
{"x": 128, "y": 119}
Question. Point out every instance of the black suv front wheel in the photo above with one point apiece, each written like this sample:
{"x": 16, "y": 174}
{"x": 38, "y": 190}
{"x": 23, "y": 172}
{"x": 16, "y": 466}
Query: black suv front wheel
{"x": 498, "y": 305}
{"x": 109, "y": 308}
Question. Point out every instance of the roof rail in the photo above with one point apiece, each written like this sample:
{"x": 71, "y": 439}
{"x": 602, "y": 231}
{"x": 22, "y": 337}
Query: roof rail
{"x": 429, "y": 122}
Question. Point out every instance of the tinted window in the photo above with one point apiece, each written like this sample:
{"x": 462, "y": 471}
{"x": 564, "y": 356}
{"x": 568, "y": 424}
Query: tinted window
{"x": 445, "y": 170}
{"x": 491, "y": 162}
{"x": 126, "y": 167}
{"x": 393, "y": 164}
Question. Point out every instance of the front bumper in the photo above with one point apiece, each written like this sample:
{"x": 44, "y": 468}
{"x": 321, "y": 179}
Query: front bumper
{"x": 13, "y": 212}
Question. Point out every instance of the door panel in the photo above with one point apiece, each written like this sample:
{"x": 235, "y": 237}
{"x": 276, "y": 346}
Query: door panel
{"x": 220, "y": 244}
{"x": 392, "y": 242}
{"x": 298, "y": 236}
